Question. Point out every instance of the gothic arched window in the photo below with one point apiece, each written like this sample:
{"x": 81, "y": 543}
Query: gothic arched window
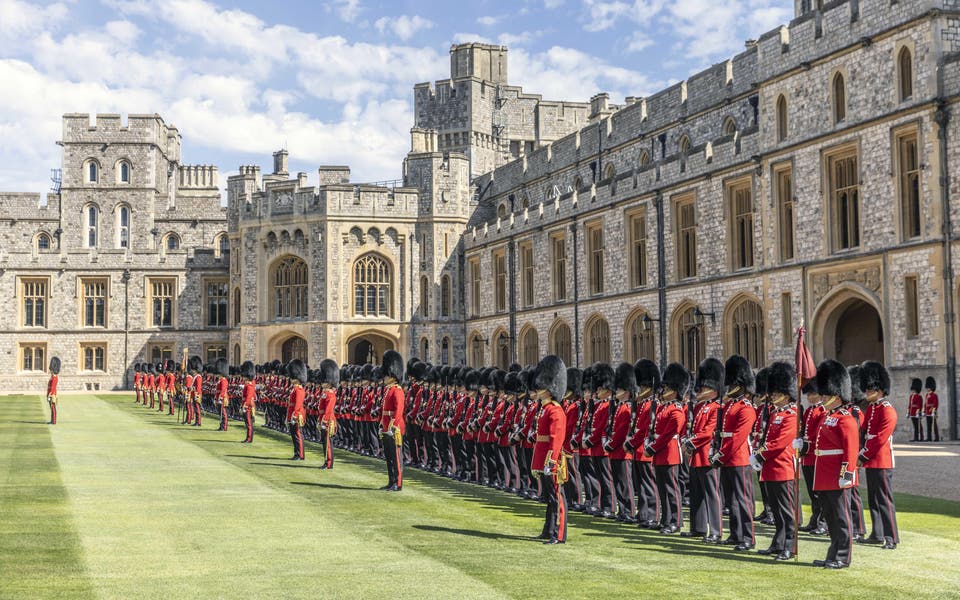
{"x": 290, "y": 288}
{"x": 371, "y": 287}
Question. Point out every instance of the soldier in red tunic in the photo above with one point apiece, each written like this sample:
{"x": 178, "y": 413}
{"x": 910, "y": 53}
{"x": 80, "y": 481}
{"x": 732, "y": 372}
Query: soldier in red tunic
{"x": 196, "y": 364}
{"x": 876, "y": 457}
{"x": 776, "y": 460}
{"x": 329, "y": 380}
{"x": 706, "y": 510}
{"x": 136, "y": 381}
{"x": 297, "y": 373}
{"x": 52, "y": 388}
{"x": 648, "y": 385}
{"x": 249, "y": 398}
{"x": 621, "y": 458}
{"x": 835, "y": 469}
{"x": 734, "y": 454}
{"x": 603, "y": 376}
{"x": 221, "y": 395}
{"x": 171, "y": 386}
{"x": 392, "y": 424}
{"x": 572, "y": 407}
{"x": 915, "y": 408}
{"x": 549, "y": 464}
{"x": 930, "y": 405}
{"x": 806, "y": 444}
{"x": 664, "y": 446}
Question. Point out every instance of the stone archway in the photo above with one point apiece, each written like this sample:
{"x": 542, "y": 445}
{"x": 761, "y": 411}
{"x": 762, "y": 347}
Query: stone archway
{"x": 293, "y": 347}
{"x": 368, "y": 347}
{"x": 849, "y": 329}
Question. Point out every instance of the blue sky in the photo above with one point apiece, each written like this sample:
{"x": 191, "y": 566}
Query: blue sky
{"x": 329, "y": 80}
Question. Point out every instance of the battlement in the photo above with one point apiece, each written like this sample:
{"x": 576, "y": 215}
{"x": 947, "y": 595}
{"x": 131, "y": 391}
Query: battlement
{"x": 480, "y": 61}
{"x": 24, "y": 205}
{"x": 334, "y": 175}
{"x": 197, "y": 177}
{"x": 109, "y": 129}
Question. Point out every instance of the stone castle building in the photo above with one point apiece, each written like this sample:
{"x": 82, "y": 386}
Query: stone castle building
{"x": 806, "y": 180}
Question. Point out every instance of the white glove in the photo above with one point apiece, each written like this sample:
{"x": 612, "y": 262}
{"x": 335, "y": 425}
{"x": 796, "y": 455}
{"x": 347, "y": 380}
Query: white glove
{"x": 546, "y": 471}
{"x": 797, "y": 443}
{"x": 757, "y": 466}
{"x": 388, "y": 432}
{"x": 845, "y": 483}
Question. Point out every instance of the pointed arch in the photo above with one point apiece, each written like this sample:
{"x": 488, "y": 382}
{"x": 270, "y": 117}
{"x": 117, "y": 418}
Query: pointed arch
{"x": 372, "y": 286}
{"x": 838, "y": 89}
{"x": 501, "y": 348}
{"x": 638, "y": 341}
{"x": 475, "y": 346}
{"x": 729, "y": 126}
{"x": 529, "y": 345}
{"x": 905, "y": 74}
{"x": 597, "y": 336}
{"x": 560, "y": 341}
{"x": 744, "y": 330}
{"x": 289, "y": 279}
{"x": 689, "y": 338}
{"x": 781, "y": 118}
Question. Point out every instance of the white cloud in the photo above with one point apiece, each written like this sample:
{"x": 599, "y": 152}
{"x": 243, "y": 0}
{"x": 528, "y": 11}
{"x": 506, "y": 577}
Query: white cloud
{"x": 488, "y": 20}
{"x": 404, "y": 27}
{"x": 21, "y": 21}
{"x": 639, "y": 41}
{"x": 551, "y": 4}
{"x": 348, "y": 10}
{"x": 519, "y": 39}
{"x": 466, "y": 38}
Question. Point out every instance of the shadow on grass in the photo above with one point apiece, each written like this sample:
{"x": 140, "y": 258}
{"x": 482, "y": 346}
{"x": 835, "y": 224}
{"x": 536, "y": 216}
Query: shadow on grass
{"x": 254, "y": 457}
{"x": 285, "y": 465}
{"x": 32, "y": 422}
{"x": 335, "y": 486}
{"x": 474, "y": 533}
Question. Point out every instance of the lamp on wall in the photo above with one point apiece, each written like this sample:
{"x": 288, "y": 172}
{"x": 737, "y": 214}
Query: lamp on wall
{"x": 698, "y": 317}
{"x": 503, "y": 341}
{"x": 647, "y": 322}
{"x": 478, "y": 340}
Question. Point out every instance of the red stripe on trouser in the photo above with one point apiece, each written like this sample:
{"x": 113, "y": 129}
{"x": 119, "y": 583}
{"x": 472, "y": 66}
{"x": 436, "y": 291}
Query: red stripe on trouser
{"x": 893, "y": 511}
{"x": 151, "y": 400}
{"x": 716, "y": 483}
{"x": 53, "y": 413}
{"x": 170, "y": 407}
{"x": 249, "y": 426}
{"x": 748, "y": 492}
{"x": 197, "y": 411}
{"x": 223, "y": 417}
{"x": 846, "y": 513}
{"x": 561, "y": 512}
{"x": 679, "y": 496}
{"x": 399, "y": 467}
{"x": 329, "y": 449}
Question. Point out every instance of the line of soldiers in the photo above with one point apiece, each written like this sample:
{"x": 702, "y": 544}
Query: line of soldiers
{"x": 919, "y": 407}
{"x": 635, "y": 445}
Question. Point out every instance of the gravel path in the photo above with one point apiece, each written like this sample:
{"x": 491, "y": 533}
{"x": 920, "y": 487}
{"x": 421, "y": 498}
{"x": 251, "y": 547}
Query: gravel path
{"x": 928, "y": 469}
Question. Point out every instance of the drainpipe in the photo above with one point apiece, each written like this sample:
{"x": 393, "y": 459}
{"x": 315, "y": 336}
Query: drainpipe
{"x": 511, "y": 256}
{"x": 576, "y": 295}
{"x": 125, "y": 278}
{"x": 942, "y": 118}
{"x": 661, "y": 279}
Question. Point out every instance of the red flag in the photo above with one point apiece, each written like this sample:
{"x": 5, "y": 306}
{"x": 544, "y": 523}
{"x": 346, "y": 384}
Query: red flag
{"x": 806, "y": 369}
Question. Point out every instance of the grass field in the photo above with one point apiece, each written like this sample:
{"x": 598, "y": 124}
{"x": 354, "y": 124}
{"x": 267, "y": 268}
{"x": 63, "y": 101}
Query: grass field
{"x": 120, "y": 502}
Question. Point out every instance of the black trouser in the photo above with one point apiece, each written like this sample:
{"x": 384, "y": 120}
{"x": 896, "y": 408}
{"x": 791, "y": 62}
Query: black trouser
{"x": 503, "y": 464}
{"x": 622, "y": 470}
{"x": 883, "y": 513}
{"x": 571, "y": 489}
{"x": 528, "y": 483}
{"x": 591, "y": 485}
{"x": 706, "y": 512}
{"x": 392, "y": 458}
{"x": 459, "y": 454}
{"x": 668, "y": 490}
{"x": 648, "y": 502}
{"x": 738, "y": 494}
{"x": 856, "y": 513}
{"x": 490, "y": 456}
{"x": 470, "y": 464}
{"x": 601, "y": 465}
{"x": 509, "y": 461}
{"x": 763, "y": 495}
{"x": 443, "y": 448}
{"x": 430, "y": 449}
{"x": 555, "y": 523}
{"x": 781, "y": 496}
{"x": 917, "y": 429}
{"x": 836, "y": 512}
{"x": 248, "y": 417}
{"x": 683, "y": 478}
{"x": 297, "y": 438}
{"x": 327, "y": 444}
{"x": 933, "y": 433}
{"x": 816, "y": 510}
{"x": 410, "y": 443}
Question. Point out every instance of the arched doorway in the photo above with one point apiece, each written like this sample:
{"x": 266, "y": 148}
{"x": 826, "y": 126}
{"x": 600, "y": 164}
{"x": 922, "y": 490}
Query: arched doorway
{"x": 368, "y": 348}
{"x": 293, "y": 347}
{"x": 851, "y": 330}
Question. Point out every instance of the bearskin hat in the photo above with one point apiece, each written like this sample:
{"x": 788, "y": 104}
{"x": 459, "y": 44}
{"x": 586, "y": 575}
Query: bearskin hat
{"x": 515, "y": 367}
{"x": 366, "y": 372}
{"x": 574, "y": 381}
{"x": 377, "y": 374}
{"x": 810, "y": 387}
{"x": 55, "y": 365}
{"x": 738, "y": 374}
{"x": 496, "y": 379}
{"x": 551, "y": 375}
{"x": 432, "y": 375}
{"x": 393, "y": 365}
{"x": 916, "y": 386}
{"x": 222, "y": 367}
{"x": 417, "y": 370}
{"x": 930, "y": 384}
{"x": 413, "y": 360}
{"x": 782, "y": 379}
{"x": 760, "y": 383}
{"x": 329, "y": 373}
{"x": 455, "y": 375}
{"x": 512, "y": 383}
{"x": 873, "y": 376}
{"x": 136, "y": 367}
{"x": 710, "y": 374}
{"x": 857, "y": 395}
{"x": 297, "y": 370}
{"x": 603, "y": 376}
{"x": 625, "y": 378}
{"x": 527, "y": 379}
{"x": 471, "y": 381}
{"x": 588, "y": 379}
{"x": 676, "y": 378}
{"x": 247, "y": 370}
{"x": 833, "y": 380}
{"x": 647, "y": 373}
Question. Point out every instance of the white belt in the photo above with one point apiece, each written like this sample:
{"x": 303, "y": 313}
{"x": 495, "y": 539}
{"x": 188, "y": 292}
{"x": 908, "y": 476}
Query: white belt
{"x": 834, "y": 452}
{"x": 725, "y": 434}
{"x": 870, "y": 436}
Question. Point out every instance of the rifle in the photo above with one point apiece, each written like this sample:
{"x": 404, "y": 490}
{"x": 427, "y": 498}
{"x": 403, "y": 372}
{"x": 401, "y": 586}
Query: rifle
{"x": 588, "y": 430}
{"x": 581, "y": 419}
{"x": 652, "y": 428}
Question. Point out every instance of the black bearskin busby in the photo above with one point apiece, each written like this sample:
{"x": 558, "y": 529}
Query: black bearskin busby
{"x": 195, "y": 364}
{"x": 603, "y": 376}
{"x": 247, "y": 370}
{"x": 588, "y": 379}
{"x": 857, "y": 395}
{"x": 833, "y": 380}
{"x": 526, "y": 379}
{"x": 472, "y": 381}
{"x": 417, "y": 370}
{"x": 575, "y": 381}
{"x": 930, "y": 384}
{"x": 551, "y": 375}
{"x": 625, "y": 378}
{"x": 710, "y": 375}
{"x": 512, "y": 383}
{"x": 676, "y": 378}
{"x": 782, "y": 379}
{"x": 760, "y": 384}
{"x": 329, "y": 373}
{"x": 738, "y": 374}
{"x": 366, "y": 372}
{"x": 515, "y": 368}
{"x": 392, "y": 365}
{"x": 55, "y": 365}
{"x": 297, "y": 370}
{"x": 647, "y": 373}
{"x": 222, "y": 367}
{"x": 873, "y": 376}
{"x": 916, "y": 386}
{"x": 497, "y": 377}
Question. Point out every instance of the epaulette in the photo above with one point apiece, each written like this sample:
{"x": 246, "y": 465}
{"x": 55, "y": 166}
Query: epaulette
{"x": 885, "y": 402}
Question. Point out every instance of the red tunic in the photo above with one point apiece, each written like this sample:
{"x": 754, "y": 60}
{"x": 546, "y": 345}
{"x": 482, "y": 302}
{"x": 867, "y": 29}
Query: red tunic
{"x": 249, "y": 396}
{"x": 641, "y": 432}
{"x": 222, "y": 385}
{"x": 328, "y": 405}
{"x": 778, "y": 454}
{"x": 931, "y": 404}
{"x": 671, "y": 422}
{"x": 506, "y": 424}
{"x": 572, "y": 415}
{"x": 881, "y": 421}
{"x": 295, "y": 404}
{"x": 393, "y": 402}
{"x": 915, "y": 407}
{"x": 598, "y": 428}
{"x": 171, "y": 382}
{"x": 704, "y": 430}
{"x": 198, "y": 386}
{"x": 621, "y": 429}
{"x": 529, "y": 424}
{"x": 738, "y": 419}
{"x": 551, "y": 426}
{"x": 52, "y": 385}
{"x": 837, "y": 443}
{"x": 812, "y": 419}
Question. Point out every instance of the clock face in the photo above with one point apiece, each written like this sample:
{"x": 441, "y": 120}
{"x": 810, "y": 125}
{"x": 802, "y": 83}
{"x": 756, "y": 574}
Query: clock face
{"x": 283, "y": 199}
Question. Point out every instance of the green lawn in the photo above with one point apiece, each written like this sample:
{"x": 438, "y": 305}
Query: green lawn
{"x": 120, "y": 502}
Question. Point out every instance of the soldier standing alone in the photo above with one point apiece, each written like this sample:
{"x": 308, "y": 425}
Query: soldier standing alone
{"x": 392, "y": 424}
{"x": 549, "y": 385}
{"x": 52, "y": 388}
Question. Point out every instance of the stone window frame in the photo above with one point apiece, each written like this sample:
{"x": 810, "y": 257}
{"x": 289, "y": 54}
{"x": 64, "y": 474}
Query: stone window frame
{"x": 778, "y": 172}
{"x": 680, "y": 231}
{"x": 92, "y": 347}
{"x": 86, "y": 172}
{"x": 839, "y": 97}
{"x": 744, "y": 329}
{"x": 561, "y": 345}
{"x": 36, "y": 242}
{"x": 595, "y": 246}
{"x": 91, "y": 227}
{"x": 499, "y": 270}
{"x": 120, "y": 228}
{"x": 683, "y": 330}
{"x": 171, "y": 242}
{"x": 424, "y": 297}
{"x": 830, "y": 157}
{"x": 446, "y": 295}
{"x": 237, "y": 314}
{"x": 22, "y": 298}
{"x": 38, "y": 354}
{"x": 904, "y": 46}
{"x": 82, "y": 282}
{"x": 596, "y": 333}
{"x": 164, "y": 348}
{"x": 151, "y": 296}
{"x": 476, "y": 277}
{"x": 501, "y": 349}
{"x": 446, "y": 350}
{"x": 637, "y": 279}
{"x": 214, "y": 350}
{"x": 118, "y": 170}
{"x": 786, "y": 319}
{"x": 424, "y": 349}
{"x": 382, "y": 277}
{"x": 218, "y": 244}
{"x": 781, "y": 113}
{"x": 475, "y": 350}
{"x": 236, "y": 354}
{"x": 558, "y": 262}
{"x": 741, "y": 253}
{"x": 911, "y": 305}
{"x": 636, "y": 340}
{"x": 206, "y": 313}
{"x": 529, "y": 346}
{"x": 298, "y": 285}
{"x": 526, "y": 267}
{"x": 898, "y": 135}
{"x": 729, "y": 126}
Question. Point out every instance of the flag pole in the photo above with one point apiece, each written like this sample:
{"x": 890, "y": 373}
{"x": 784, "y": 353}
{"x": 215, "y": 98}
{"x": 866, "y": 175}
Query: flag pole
{"x": 797, "y": 515}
